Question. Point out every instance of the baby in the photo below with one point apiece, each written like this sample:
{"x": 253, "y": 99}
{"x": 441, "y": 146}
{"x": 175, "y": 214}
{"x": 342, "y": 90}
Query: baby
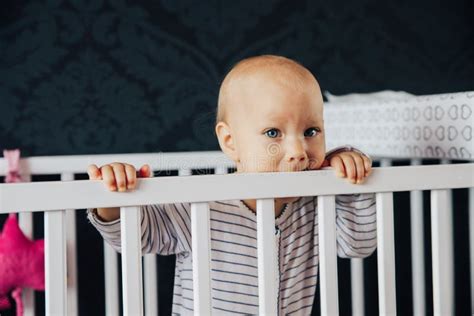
{"x": 269, "y": 119}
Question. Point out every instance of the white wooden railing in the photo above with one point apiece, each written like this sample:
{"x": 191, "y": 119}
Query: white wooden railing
{"x": 55, "y": 197}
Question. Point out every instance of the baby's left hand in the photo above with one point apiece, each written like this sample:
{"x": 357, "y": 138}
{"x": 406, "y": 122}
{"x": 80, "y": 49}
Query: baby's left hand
{"x": 350, "y": 164}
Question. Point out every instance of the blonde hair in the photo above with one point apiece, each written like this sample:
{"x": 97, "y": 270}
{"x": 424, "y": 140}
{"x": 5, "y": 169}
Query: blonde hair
{"x": 284, "y": 70}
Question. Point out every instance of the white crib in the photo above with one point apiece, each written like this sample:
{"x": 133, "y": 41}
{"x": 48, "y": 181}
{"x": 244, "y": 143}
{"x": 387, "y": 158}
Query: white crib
{"x": 59, "y": 200}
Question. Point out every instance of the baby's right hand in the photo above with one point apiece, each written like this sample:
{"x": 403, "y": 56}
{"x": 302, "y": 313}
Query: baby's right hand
{"x": 118, "y": 175}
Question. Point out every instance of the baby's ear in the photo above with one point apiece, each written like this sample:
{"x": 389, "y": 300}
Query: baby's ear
{"x": 226, "y": 141}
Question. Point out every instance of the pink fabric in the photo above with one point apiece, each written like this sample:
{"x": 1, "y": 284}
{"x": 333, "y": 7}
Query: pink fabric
{"x": 13, "y": 165}
{"x": 21, "y": 259}
{"x": 4, "y": 303}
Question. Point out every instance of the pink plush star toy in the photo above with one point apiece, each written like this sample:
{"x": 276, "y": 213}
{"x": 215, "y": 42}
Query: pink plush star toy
{"x": 21, "y": 259}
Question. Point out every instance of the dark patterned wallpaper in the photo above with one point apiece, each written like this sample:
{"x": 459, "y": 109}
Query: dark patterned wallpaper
{"x": 97, "y": 76}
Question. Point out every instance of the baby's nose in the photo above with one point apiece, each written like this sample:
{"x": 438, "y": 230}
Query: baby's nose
{"x": 296, "y": 153}
{"x": 300, "y": 157}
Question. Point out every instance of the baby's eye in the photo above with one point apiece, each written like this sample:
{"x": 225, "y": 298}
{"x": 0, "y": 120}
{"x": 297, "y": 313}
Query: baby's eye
{"x": 272, "y": 133}
{"x": 310, "y": 132}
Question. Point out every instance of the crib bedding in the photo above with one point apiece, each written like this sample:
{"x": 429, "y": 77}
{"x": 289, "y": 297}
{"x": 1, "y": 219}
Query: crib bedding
{"x": 431, "y": 126}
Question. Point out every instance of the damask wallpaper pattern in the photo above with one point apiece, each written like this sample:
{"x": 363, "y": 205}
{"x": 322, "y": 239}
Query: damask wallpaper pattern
{"x": 116, "y": 76}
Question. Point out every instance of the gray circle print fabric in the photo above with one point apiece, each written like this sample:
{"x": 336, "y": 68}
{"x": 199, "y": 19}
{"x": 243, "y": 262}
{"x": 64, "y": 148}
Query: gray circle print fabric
{"x": 431, "y": 126}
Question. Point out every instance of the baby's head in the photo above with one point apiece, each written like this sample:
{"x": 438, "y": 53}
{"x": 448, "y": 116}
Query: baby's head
{"x": 270, "y": 116}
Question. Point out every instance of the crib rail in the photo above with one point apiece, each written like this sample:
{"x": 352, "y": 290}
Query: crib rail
{"x": 53, "y": 197}
{"x": 157, "y": 161}
{"x": 49, "y": 196}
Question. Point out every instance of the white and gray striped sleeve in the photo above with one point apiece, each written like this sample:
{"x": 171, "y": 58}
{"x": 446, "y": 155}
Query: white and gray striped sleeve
{"x": 165, "y": 229}
{"x": 356, "y": 225}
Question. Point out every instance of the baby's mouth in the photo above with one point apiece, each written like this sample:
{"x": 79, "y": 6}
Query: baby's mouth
{"x": 298, "y": 170}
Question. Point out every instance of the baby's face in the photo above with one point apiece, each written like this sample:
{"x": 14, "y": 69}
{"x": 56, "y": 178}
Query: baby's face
{"x": 276, "y": 127}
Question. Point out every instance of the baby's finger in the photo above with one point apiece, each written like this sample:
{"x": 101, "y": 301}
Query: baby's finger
{"x": 338, "y": 165}
{"x": 131, "y": 176}
{"x": 144, "y": 172}
{"x": 120, "y": 177}
{"x": 109, "y": 177}
{"x": 94, "y": 173}
{"x": 349, "y": 164}
{"x": 367, "y": 165}
{"x": 359, "y": 165}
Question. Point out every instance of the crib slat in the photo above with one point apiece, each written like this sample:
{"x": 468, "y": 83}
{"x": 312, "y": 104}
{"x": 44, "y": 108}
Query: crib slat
{"x": 417, "y": 253}
{"x": 357, "y": 286}
{"x": 26, "y": 225}
{"x": 328, "y": 255}
{"x": 471, "y": 243}
{"x": 55, "y": 263}
{"x": 267, "y": 260}
{"x": 442, "y": 252}
{"x": 201, "y": 238}
{"x": 449, "y": 242}
{"x": 386, "y": 253}
{"x": 71, "y": 255}
{"x": 185, "y": 172}
{"x": 357, "y": 277}
{"x": 25, "y": 221}
{"x": 386, "y": 249}
{"x": 220, "y": 170}
{"x": 111, "y": 281}
{"x": 417, "y": 249}
{"x": 151, "y": 285}
{"x": 71, "y": 261}
{"x": 131, "y": 260}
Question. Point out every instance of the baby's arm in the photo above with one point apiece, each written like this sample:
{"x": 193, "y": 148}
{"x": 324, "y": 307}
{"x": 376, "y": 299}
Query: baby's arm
{"x": 355, "y": 213}
{"x": 164, "y": 228}
{"x": 356, "y": 225}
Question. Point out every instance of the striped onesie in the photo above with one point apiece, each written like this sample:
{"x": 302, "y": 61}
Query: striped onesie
{"x": 166, "y": 230}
